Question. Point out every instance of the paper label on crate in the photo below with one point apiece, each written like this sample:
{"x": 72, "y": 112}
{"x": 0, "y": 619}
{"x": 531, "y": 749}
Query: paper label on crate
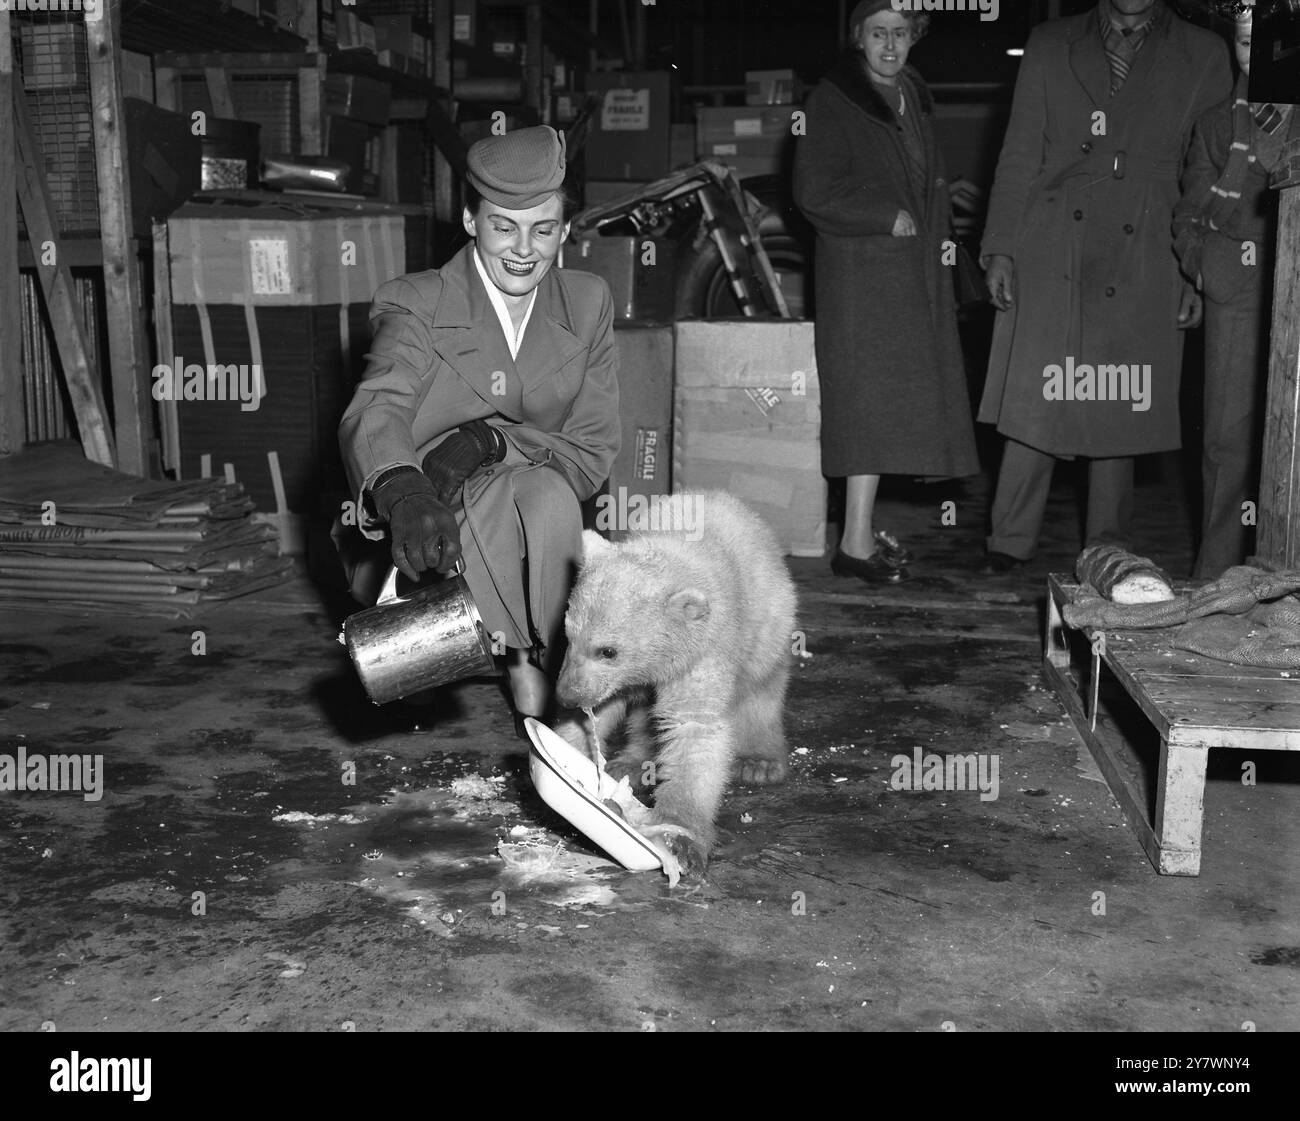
{"x": 646, "y": 467}
{"x": 625, "y": 111}
{"x": 268, "y": 265}
{"x": 765, "y": 399}
{"x": 749, "y": 126}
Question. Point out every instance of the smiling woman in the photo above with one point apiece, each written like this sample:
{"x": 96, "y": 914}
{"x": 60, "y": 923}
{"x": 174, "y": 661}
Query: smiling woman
{"x": 489, "y": 410}
{"x": 869, "y": 177}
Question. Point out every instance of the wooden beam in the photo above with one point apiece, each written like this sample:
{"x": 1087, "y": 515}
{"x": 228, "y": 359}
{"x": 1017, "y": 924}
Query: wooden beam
{"x": 169, "y": 420}
{"x": 66, "y": 319}
{"x": 311, "y": 107}
{"x": 534, "y": 86}
{"x": 219, "y": 93}
{"x": 13, "y": 427}
{"x": 164, "y": 85}
{"x": 128, "y": 352}
{"x": 309, "y": 23}
{"x": 444, "y": 186}
{"x": 251, "y": 63}
{"x": 1278, "y": 535}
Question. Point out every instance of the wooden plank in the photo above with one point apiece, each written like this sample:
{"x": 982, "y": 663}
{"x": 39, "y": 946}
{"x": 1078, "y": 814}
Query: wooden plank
{"x": 1278, "y": 535}
{"x": 308, "y": 23}
{"x": 1107, "y": 748}
{"x": 127, "y": 349}
{"x": 66, "y": 318}
{"x": 1275, "y": 702}
{"x": 1180, "y": 809}
{"x": 168, "y": 417}
{"x": 534, "y": 86}
{"x": 13, "y": 427}
{"x": 445, "y": 210}
{"x": 311, "y": 122}
{"x": 164, "y": 84}
{"x": 219, "y": 93}
{"x": 236, "y": 62}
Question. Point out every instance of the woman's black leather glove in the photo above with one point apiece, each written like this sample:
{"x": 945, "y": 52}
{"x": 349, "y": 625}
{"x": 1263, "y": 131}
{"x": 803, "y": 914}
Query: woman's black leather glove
{"x": 423, "y": 530}
{"x": 471, "y": 447}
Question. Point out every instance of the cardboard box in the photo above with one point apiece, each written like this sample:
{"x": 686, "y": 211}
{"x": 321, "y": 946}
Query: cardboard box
{"x": 640, "y": 272}
{"x": 630, "y": 132}
{"x": 347, "y": 27}
{"x": 464, "y": 22}
{"x": 137, "y": 76}
{"x": 771, "y": 87}
{"x": 289, "y": 254}
{"x": 310, "y": 360}
{"x": 645, "y": 404}
{"x": 728, "y": 125}
{"x": 746, "y": 158}
{"x": 164, "y": 161}
{"x": 393, "y": 33}
{"x": 747, "y": 420}
{"x": 681, "y": 147}
{"x": 354, "y": 95}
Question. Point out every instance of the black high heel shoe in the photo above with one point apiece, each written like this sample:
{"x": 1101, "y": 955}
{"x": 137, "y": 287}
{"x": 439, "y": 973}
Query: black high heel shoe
{"x": 875, "y": 569}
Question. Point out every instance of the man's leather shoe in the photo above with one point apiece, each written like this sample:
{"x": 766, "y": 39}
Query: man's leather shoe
{"x": 999, "y": 564}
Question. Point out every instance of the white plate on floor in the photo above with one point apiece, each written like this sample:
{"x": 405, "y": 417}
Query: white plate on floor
{"x": 568, "y": 783}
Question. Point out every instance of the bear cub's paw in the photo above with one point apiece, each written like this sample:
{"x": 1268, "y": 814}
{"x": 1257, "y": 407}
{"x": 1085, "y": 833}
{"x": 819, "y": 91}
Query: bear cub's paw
{"x": 757, "y": 770}
{"x": 691, "y": 855}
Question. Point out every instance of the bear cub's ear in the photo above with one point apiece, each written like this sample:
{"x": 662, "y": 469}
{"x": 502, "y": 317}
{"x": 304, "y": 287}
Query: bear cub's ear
{"x": 690, "y": 603}
{"x": 593, "y": 545}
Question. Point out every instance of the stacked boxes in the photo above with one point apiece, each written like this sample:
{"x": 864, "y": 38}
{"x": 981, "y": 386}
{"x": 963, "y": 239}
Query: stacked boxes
{"x": 747, "y": 420}
{"x": 754, "y": 140}
{"x": 631, "y": 132}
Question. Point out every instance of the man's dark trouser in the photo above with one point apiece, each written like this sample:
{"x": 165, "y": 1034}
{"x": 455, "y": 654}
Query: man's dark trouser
{"x": 1236, "y": 334}
{"x": 1021, "y": 499}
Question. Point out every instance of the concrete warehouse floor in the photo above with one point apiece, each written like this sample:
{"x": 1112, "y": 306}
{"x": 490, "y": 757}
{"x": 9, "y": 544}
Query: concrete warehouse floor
{"x": 834, "y": 902}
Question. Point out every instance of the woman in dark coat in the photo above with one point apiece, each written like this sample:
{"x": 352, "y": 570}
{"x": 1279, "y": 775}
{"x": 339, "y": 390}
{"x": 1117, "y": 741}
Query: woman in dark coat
{"x": 869, "y": 177}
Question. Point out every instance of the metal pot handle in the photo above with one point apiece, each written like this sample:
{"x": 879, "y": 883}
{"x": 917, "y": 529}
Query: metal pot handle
{"x": 388, "y": 593}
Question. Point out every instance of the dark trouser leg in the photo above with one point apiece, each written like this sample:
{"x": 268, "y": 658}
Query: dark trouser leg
{"x": 1229, "y": 456}
{"x": 1020, "y": 500}
{"x": 1110, "y": 502}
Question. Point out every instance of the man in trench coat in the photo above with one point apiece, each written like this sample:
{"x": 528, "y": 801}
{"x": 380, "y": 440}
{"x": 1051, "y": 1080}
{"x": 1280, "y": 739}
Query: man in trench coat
{"x": 1087, "y": 349}
{"x": 438, "y": 361}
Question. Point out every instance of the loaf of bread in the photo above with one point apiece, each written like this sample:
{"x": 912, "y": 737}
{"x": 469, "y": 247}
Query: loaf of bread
{"x": 1122, "y": 577}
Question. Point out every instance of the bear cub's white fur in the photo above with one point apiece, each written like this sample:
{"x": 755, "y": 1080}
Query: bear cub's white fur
{"x": 681, "y": 639}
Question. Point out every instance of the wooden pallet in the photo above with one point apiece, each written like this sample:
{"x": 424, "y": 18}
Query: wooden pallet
{"x": 1194, "y": 703}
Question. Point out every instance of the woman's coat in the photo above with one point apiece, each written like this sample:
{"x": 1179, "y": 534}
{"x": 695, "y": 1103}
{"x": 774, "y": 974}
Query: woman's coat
{"x": 1082, "y": 201}
{"x": 889, "y": 361}
{"x": 438, "y": 358}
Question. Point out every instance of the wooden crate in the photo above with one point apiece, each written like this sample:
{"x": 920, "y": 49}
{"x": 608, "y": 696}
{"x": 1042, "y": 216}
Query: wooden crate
{"x": 1193, "y": 703}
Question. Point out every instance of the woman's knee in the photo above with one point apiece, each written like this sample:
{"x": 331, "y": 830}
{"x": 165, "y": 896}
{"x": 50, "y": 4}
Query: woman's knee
{"x": 544, "y": 495}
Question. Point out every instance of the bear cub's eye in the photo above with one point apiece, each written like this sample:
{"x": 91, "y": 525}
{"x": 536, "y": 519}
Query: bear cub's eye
{"x": 606, "y": 653}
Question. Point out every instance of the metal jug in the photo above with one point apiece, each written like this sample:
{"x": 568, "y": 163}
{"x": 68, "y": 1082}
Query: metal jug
{"x": 429, "y": 637}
